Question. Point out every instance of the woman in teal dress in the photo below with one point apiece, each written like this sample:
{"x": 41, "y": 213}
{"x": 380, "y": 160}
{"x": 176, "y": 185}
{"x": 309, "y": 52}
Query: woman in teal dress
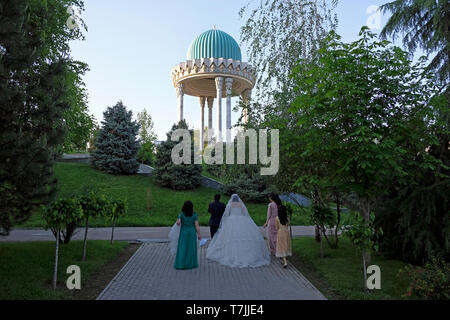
{"x": 186, "y": 257}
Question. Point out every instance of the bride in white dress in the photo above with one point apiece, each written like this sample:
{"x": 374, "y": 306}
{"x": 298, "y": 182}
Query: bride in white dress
{"x": 238, "y": 241}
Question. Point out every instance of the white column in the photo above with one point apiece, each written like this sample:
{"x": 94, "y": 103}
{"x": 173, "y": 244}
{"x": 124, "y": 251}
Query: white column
{"x": 210, "y": 112}
{"x": 228, "y": 87}
{"x": 219, "y": 85}
{"x": 210, "y": 107}
{"x": 202, "y": 121}
{"x": 180, "y": 95}
{"x": 246, "y": 94}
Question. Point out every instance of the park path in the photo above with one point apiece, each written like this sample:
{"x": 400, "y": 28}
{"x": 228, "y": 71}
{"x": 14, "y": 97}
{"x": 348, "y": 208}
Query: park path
{"x": 123, "y": 233}
{"x": 149, "y": 275}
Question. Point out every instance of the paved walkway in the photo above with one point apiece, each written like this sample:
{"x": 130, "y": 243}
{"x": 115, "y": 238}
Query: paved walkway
{"x": 149, "y": 275}
{"x": 124, "y": 233}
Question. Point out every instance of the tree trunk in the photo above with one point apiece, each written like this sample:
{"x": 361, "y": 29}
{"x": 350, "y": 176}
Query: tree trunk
{"x": 317, "y": 234}
{"x": 290, "y": 224}
{"x": 338, "y": 218}
{"x": 365, "y": 212}
{"x": 365, "y": 271}
{"x": 55, "y": 270}
{"x": 85, "y": 239}
{"x": 112, "y": 231}
{"x": 321, "y": 247}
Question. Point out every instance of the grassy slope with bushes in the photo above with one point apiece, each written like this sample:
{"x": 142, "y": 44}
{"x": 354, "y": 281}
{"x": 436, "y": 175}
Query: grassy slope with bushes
{"x": 166, "y": 203}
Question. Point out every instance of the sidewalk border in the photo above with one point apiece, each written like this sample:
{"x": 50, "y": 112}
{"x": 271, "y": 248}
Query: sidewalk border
{"x": 120, "y": 271}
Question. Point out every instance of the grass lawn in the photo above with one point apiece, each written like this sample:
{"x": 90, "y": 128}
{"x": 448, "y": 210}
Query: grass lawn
{"x": 166, "y": 203}
{"x": 339, "y": 274}
{"x": 26, "y": 268}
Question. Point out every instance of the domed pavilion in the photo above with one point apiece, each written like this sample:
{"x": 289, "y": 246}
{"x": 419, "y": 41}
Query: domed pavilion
{"x": 213, "y": 69}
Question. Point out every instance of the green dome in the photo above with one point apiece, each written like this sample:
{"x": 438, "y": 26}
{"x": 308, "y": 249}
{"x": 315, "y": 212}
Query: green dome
{"x": 214, "y": 44}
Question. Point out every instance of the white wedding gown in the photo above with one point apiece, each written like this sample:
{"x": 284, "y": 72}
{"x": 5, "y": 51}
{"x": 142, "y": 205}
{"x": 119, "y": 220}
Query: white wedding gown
{"x": 238, "y": 241}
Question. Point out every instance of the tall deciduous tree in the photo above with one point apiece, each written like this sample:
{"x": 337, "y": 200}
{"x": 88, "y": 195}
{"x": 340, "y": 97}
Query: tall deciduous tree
{"x": 146, "y": 152}
{"x": 35, "y": 67}
{"x": 116, "y": 145}
{"x": 279, "y": 33}
{"x": 365, "y": 107}
{"x": 79, "y": 122}
{"x": 425, "y": 24}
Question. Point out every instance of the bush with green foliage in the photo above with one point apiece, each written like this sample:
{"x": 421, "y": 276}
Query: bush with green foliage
{"x": 60, "y": 214}
{"x": 146, "y": 153}
{"x": 176, "y": 176}
{"x": 116, "y": 145}
{"x": 431, "y": 282}
{"x": 364, "y": 235}
{"x": 249, "y": 188}
{"x": 415, "y": 215}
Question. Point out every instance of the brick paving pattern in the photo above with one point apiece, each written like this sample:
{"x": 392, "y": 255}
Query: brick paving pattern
{"x": 149, "y": 275}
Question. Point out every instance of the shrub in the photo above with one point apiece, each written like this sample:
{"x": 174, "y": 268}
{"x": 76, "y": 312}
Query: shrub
{"x": 431, "y": 282}
{"x": 176, "y": 176}
{"x": 146, "y": 153}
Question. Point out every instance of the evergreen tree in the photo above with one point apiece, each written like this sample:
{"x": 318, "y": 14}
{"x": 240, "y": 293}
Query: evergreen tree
{"x": 425, "y": 24}
{"x": 116, "y": 145}
{"x": 34, "y": 78}
{"x": 168, "y": 174}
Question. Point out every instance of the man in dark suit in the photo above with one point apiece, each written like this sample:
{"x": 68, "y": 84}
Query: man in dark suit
{"x": 216, "y": 209}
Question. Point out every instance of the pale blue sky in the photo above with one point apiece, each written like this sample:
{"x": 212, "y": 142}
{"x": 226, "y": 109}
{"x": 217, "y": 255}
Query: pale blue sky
{"x": 132, "y": 45}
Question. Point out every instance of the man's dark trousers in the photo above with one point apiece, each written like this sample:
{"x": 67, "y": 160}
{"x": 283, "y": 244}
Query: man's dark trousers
{"x": 216, "y": 209}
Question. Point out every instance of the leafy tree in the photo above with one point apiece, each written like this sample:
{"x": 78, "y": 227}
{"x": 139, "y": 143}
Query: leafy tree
{"x": 322, "y": 217}
{"x": 56, "y": 217}
{"x": 415, "y": 215}
{"x": 93, "y": 204}
{"x": 146, "y": 153}
{"x": 116, "y": 145}
{"x": 176, "y": 176}
{"x": 93, "y": 136}
{"x": 363, "y": 105}
{"x": 35, "y": 69}
{"x": 363, "y": 234}
{"x": 279, "y": 33}
{"x": 425, "y": 24}
{"x": 116, "y": 208}
{"x": 80, "y": 124}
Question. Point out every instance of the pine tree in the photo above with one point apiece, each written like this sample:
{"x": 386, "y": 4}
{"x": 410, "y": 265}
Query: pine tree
{"x": 116, "y": 145}
{"x": 168, "y": 174}
{"x": 425, "y": 24}
{"x": 33, "y": 98}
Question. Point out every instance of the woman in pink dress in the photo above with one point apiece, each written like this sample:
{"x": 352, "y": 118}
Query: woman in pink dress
{"x": 271, "y": 224}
